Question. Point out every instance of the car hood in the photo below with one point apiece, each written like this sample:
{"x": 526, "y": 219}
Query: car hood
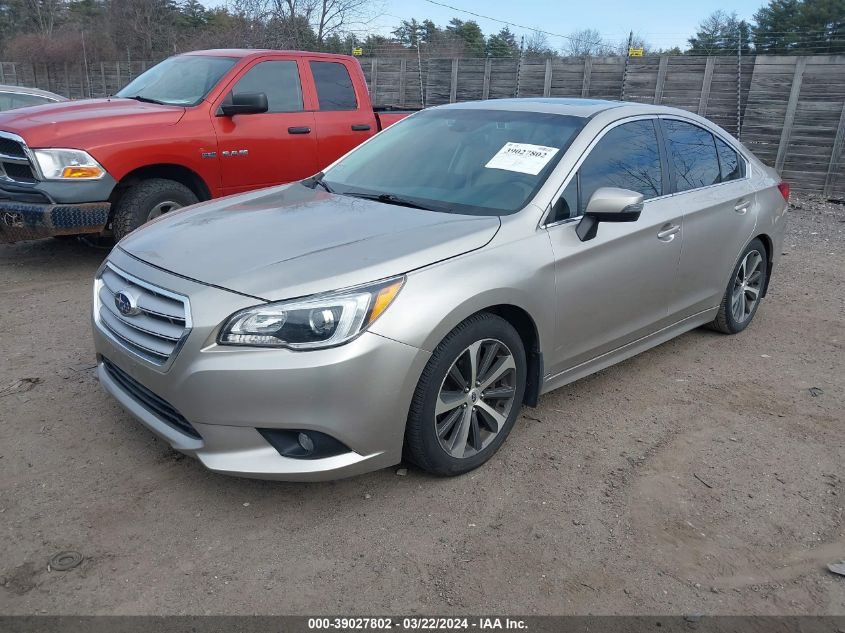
{"x": 70, "y": 123}
{"x": 293, "y": 241}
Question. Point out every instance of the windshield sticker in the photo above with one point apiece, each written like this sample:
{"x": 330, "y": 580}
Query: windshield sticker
{"x": 522, "y": 157}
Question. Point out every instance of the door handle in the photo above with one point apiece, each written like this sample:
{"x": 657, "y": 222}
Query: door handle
{"x": 361, "y": 127}
{"x": 299, "y": 130}
{"x": 668, "y": 232}
{"x": 742, "y": 206}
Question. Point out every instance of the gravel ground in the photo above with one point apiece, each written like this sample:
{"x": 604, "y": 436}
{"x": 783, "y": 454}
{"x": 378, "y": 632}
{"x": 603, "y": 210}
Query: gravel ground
{"x": 705, "y": 475}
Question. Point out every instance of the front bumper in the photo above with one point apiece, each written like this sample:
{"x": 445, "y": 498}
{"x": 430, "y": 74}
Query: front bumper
{"x": 21, "y": 221}
{"x": 358, "y": 393}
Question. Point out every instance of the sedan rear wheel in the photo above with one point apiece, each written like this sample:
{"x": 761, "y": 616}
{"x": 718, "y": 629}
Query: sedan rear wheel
{"x": 744, "y": 291}
{"x": 468, "y": 397}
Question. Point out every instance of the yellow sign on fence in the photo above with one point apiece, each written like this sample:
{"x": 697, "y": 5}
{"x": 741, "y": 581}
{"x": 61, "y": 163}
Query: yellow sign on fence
{"x": 357, "y": 51}
{"x": 635, "y": 52}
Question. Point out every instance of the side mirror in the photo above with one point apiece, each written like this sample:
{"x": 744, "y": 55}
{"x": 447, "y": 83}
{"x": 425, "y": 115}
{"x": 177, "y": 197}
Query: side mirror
{"x": 245, "y": 103}
{"x": 609, "y": 204}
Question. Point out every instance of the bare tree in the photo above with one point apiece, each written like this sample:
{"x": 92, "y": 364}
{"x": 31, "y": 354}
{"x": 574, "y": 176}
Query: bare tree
{"x": 326, "y": 17}
{"x": 585, "y": 43}
{"x": 44, "y": 13}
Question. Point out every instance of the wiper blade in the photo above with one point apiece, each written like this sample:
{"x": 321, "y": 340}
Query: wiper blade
{"x": 389, "y": 198}
{"x": 146, "y": 100}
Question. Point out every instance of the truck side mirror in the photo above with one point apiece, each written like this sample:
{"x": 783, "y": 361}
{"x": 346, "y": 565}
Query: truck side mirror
{"x": 609, "y": 204}
{"x": 245, "y": 103}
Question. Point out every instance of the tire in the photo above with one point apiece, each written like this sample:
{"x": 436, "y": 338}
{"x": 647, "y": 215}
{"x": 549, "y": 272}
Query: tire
{"x": 499, "y": 351}
{"x": 752, "y": 269}
{"x": 145, "y": 201}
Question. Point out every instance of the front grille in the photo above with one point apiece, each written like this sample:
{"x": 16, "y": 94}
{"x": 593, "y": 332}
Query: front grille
{"x": 19, "y": 172}
{"x": 157, "y": 324}
{"x": 15, "y": 165}
{"x": 143, "y": 396}
{"x": 11, "y": 147}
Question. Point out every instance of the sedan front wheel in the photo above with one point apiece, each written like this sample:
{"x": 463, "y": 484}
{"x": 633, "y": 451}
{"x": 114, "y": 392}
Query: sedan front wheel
{"x": 468, "y": 397}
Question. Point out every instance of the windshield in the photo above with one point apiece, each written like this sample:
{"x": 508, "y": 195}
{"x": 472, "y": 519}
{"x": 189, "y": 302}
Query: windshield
{"x": 184, "y": 80}
{"x": 481, "y": 162}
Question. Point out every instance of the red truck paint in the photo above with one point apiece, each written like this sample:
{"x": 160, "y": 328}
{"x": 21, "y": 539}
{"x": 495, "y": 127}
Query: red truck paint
{"x": 192, "y": 145}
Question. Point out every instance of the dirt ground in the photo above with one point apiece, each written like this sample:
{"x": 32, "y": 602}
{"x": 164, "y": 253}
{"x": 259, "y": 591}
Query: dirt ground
{"x": 705, "y": 476}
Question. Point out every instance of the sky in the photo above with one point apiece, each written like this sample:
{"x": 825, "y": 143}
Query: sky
{"x": 662, "y": 23}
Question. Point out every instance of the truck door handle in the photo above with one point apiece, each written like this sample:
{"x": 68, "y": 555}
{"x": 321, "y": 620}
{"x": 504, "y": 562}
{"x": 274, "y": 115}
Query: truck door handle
{"x": 742, "y": 206}
{"x": 361, "y": 127}
{"x": 668, "y": 232}
{"x": 299, "y": 130}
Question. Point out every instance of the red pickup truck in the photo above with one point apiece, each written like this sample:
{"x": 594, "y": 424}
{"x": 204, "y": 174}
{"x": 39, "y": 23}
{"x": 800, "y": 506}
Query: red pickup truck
{"x": 194, "y": 127}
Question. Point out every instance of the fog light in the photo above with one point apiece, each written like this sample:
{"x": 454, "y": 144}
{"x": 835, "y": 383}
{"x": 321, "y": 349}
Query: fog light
{"x": 300, "y": 444}
{"x": 306, "y": 443}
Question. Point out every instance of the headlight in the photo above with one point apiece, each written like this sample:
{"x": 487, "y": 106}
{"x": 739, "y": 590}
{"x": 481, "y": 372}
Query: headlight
{"x": 68, "y": 164}
{"x": 313, "y": 322}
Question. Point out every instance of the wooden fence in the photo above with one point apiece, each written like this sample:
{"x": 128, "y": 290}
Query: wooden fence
{"x": 789, "y": 110}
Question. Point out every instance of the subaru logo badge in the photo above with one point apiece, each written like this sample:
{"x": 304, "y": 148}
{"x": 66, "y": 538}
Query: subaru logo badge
{"x": 126, "y": 303}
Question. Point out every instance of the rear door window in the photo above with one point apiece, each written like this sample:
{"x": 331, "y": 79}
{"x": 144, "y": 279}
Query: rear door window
{"x": 278, "y": 79}
{"x": 334, "y": 86}
{"x": 692, "y": 155}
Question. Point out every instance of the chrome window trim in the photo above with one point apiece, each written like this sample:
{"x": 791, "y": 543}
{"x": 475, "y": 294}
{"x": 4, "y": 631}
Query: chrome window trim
{"x": 639, "y": 117}
{"x": 98, "y": 284}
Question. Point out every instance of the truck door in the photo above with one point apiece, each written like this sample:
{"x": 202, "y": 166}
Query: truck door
{"x": 278, "y": 146}
{"x": 343, "y": 113}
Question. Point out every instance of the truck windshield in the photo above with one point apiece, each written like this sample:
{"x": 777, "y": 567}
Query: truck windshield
{"x": 184, "y": 80}
{"x": 480, "y": 162}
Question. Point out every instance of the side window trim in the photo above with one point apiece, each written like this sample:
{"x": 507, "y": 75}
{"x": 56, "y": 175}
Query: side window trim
{"x": 575, "y": 169}
{"x": 741, "y": 157}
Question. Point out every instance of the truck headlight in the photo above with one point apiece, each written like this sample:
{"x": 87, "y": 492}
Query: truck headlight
{"x": 315, "y": 322}
{"x": 68, "y": 164}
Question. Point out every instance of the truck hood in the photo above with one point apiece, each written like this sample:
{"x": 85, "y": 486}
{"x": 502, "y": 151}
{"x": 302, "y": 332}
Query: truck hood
{"x": 293, "y": 241}
{"x": 67, "y": 124}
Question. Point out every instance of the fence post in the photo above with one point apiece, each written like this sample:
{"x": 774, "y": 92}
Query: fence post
{"x": 661, "y": 79}
{"x": 705, "y": 86}
{"x": 485, "y": 87}
{"x": 547, "y": 80}
{"x": 789, "y": 118}
{"x": 373, "y": 79}
{"x": 588, "y": 67}
{"x": 835, "y": 154}
{"x": 103, "y": 79}
{"x": 402, "y": 68}
{"x": 453, "y": 83}
{"x": 2, "y": 74}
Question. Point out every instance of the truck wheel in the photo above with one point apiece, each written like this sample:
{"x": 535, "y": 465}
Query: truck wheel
{"x": 146, "y": 201}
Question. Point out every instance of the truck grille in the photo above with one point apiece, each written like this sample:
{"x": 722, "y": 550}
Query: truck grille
{"x": 153, "y": 323}
{"x": 150, "y": 401}
{"x": 12, "y": 148}
{"x": 14, "y": 159}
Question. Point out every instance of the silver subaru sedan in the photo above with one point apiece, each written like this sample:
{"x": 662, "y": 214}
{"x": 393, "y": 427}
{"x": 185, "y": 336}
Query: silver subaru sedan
{"x": 410, "y": 299}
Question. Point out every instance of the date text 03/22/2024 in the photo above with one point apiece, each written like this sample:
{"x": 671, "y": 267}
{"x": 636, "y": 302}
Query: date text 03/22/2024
{"x": 417, "y": 624}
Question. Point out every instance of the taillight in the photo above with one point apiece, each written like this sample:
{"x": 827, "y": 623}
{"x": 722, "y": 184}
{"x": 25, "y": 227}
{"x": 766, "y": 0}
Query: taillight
{"x": 784, "y": 190}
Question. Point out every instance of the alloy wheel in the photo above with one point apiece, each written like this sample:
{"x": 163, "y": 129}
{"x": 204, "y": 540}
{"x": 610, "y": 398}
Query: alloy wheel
{"x": 161, "y": 208}
{"x": 747, "y": 286}
{"x": 475, "y": 398}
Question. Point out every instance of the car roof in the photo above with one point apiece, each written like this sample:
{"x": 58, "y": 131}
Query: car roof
{"x": 566, "y": 106}
{"x": 31, "y": 91}
{"x": 242, "y": 53}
